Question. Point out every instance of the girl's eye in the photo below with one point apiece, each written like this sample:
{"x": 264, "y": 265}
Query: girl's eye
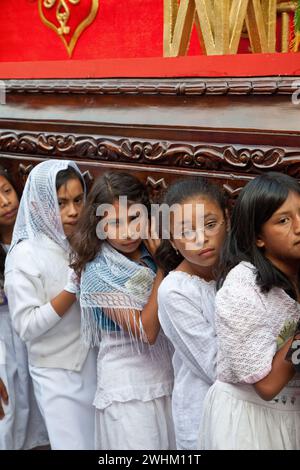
{"x": 8, "y": 190}
{"x": 60, "y": 203}
{"x": 284, "y": 220}
{"x": 210, "y": 225}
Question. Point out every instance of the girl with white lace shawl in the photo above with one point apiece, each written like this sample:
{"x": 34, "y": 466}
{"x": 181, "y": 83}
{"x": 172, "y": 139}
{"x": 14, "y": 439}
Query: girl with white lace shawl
{"x": 44, "y": 313}
{"x": 186, "y": 298}
{"x": 21, "y": 424}
{"x": 118, "y": 298}
{"x": 255, "y": 403}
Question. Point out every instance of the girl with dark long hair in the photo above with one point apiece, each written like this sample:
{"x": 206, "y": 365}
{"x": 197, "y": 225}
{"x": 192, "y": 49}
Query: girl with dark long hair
{"x": 118, "y": 298}
{"x": 255, "y": 403}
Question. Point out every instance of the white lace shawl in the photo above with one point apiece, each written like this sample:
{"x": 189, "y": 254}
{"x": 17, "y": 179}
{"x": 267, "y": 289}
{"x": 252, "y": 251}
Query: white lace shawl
{"x": 39, "y": 213}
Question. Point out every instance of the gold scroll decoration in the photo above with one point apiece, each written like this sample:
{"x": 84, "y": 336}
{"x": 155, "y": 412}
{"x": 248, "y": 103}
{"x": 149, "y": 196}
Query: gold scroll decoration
{"x": 64, "y": 9}
{"x": 219, "y": 24}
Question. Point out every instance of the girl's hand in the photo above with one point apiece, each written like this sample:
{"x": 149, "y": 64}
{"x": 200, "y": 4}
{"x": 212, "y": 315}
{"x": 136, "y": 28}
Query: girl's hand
{"x": 3, "y": 397}
{"x": 73, "y": 282}
{"x": 152, "y": 245}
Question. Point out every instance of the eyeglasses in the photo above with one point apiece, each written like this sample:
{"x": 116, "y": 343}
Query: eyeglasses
{"x": 210, "y": 229}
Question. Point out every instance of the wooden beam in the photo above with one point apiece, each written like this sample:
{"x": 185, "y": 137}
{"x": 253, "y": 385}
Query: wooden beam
{"x": 178, "y": 23}
{"x": 256, "y": 27}
{"x": 236, "y": 21}
{"x": 221, "y": 14}
{"x": 204, "y": 12}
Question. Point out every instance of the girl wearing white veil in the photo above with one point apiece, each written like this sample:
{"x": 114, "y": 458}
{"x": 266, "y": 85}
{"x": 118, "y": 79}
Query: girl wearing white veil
{"x": 44, "y": 313}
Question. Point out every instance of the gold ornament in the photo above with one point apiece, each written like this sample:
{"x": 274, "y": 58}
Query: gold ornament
{"x": 63, "y": 15}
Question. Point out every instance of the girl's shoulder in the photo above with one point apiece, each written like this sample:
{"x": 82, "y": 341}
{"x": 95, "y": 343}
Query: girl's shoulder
{"x": 22, "y": 256}
{"x": 241, "y": 283}
{"x": 30, "y": 256}
{"x": 243, "y": 274}
{"x": 22, "y": 248}
{"x": 189, "y": 285}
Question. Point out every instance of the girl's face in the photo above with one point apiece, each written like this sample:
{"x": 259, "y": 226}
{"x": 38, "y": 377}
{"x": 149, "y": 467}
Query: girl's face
{"x": 70, "y": 200}
{"x": 122, "y": 229}
{"x": 9, "y": 203}
{"x": 280, "y": 235}
{"x": 199, "y": 241}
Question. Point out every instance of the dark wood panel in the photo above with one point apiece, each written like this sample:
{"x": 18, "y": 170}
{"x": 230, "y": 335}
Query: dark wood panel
{"x": 228, "y": 130}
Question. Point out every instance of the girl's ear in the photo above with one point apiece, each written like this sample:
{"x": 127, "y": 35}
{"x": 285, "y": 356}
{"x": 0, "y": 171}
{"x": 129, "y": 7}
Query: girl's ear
{"x": 173, "y": 245}
{"x": 259, "y": 242}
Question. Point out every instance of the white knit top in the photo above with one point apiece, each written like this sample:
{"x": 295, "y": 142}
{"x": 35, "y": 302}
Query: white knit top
{"x": 251, "y": 326}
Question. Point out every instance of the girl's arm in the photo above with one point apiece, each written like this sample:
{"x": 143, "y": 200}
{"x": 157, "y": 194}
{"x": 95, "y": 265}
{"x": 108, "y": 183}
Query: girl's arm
{"x": 143, "y": 323}
{"x": 281, "y": 373}
{"x": 246, "y": 342}
{"x": 62, "y": 302}
{"x": 3, "y": 397}
{"x": 31, "y": 314}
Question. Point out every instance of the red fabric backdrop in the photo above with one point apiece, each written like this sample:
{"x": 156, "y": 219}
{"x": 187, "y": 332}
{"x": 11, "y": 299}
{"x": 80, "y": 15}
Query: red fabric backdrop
{"x": 126, "y": 29}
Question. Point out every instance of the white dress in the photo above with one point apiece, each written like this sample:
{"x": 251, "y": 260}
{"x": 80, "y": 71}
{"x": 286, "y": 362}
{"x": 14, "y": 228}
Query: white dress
{"x": 251, "y": 326}
{"x": 23, "y": 426}
{"x": 133, "y": 397}
{"x": 186, "y": 308}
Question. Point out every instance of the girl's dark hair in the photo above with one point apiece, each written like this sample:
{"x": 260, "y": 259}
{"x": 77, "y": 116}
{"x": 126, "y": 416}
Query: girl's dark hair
{"x": 65, "y": 175}
{"x": 178, "y": 193}
{"x": 6, "y": 174}
{"x": 256, "y": 203}
{"x": 105, "y": 190}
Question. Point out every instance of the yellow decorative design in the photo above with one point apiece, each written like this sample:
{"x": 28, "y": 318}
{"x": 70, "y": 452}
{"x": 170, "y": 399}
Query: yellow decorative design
{"x": 220, "y": 24}
{"x": 63, "y": 15}
{"x": 295, "y": 43}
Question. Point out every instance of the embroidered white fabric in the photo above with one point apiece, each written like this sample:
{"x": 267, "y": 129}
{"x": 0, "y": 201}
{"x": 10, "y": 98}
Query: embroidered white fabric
{"x": 248, "y": 324}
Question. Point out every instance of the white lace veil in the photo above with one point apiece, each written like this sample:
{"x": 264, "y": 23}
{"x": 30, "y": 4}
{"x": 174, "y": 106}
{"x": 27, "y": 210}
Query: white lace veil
{"x": 39, "y": 213}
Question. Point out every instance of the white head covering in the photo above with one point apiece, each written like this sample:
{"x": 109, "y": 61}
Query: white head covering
{"x": 39, "y": 213}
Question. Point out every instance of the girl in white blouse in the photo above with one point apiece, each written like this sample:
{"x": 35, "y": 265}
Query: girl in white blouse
{"x": 255, "y": 403}
{"x": 44, "y": 313}
{"x": 186, "y": 298}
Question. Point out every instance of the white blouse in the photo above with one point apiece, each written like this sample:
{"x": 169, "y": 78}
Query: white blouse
{"x": 186, "y": 314}
{"x": 251, "y": 326}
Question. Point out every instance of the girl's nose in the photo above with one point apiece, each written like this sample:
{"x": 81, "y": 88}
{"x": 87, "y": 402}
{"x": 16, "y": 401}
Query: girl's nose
{"x": 297, "y": 224}
{"x": 4, "y": 201}
{"x": 73, "y": 210}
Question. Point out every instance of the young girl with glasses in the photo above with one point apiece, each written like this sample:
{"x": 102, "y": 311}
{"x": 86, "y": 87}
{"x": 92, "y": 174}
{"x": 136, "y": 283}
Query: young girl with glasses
{"x": 186, "y": 297}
